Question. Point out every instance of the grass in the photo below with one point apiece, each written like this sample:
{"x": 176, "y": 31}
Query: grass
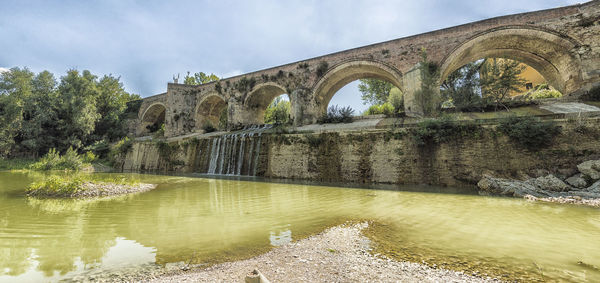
{"x": 15, "y": 164}
{"x": 56, "y": 186}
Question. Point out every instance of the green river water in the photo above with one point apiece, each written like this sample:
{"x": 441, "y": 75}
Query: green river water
{"x": 213, "y": 220}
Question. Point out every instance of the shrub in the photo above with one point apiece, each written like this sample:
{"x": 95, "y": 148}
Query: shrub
{"x": 208, "y": 127}
{"x": 160, "y": 133}
{"x": 593, "y": 94}
{"x": 100, "y": 148}
{"x": 123, "y": 146}
{"x": 386, "y": 109}
{"x": 545, "y": 93}
{"x": 529, "y": 132}
{"x": 54, "y": 161}
{"x": 15, "y": 164}
{"x": 337, "y": 114}
{"x": 322, "y": 68}
{"x": 89, "y": 157}
{"x": 55, "y": 186}
{"x": 444, "y": 129}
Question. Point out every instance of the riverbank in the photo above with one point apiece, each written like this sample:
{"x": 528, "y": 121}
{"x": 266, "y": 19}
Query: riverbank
{"x": 581, "y": 186}
{"x": 339, "y": 254}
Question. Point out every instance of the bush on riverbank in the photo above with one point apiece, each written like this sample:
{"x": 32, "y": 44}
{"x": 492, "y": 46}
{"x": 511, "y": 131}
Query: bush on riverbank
{"x": 444, "y": 129}
{"x": 529, "y": 132}
{"x": 15, "y": 164}
{"x": 68, "y": 161}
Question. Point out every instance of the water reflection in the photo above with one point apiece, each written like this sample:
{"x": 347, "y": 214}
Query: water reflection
{"x": 208, "y": 220}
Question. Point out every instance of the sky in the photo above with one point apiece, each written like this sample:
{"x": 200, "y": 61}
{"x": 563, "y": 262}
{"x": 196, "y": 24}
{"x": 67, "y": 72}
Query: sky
{"x": 145, "y": 43}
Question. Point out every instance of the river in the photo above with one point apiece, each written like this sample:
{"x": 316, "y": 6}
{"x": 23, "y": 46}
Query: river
{"x": 208, "y": 220}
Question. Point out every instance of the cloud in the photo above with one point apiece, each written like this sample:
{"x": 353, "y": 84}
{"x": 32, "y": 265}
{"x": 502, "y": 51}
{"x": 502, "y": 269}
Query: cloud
{"x": 2, "y": 70}
{"x": 147, "y": 42}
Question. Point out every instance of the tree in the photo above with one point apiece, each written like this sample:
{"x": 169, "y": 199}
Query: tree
{"x": 462, "y": 87}
{"x": 374, "y": 91}
{"x": 199, "y": 78}
{"x": 77, "y": 112}
{"x": 278, "y": 112}
{"x": 15, "y": 87}
{"x": 500, "y": 77}
{"x": 111, "y": 103}
{"x": 40, "y": 116}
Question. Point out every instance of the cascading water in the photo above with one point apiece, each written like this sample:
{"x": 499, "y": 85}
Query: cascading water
{"x": 228, "y": 152}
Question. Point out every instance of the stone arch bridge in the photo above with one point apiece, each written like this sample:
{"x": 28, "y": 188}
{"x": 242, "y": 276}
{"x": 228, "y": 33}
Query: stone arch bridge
{"x": 562, "y": 44}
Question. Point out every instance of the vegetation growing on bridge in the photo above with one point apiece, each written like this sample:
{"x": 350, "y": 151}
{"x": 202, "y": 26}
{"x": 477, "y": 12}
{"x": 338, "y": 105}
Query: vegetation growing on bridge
{"x": 530, "y": 132}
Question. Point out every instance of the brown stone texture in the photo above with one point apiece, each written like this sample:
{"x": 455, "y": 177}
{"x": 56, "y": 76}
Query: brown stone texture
{"x": 390, "y": 156}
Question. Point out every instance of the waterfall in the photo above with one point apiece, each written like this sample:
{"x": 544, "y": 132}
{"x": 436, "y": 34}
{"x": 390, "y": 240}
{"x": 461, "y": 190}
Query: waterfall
{"x": 233, "y": 155}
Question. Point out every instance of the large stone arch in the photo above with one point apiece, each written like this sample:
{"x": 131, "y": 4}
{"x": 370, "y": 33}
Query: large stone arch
{"x": 546, "y": 51}
{"x": 154, "y": 115}
{"x": 347, "y": 72}
{"x": 259, "y": 99}
{"x": 209, "y": 108}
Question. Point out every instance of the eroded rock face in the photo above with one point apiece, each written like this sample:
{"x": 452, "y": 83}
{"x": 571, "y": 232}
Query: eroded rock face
{"x": 549, "y": 183}
{"x": 590, "y": 169}
{"x": 504, "y": 187}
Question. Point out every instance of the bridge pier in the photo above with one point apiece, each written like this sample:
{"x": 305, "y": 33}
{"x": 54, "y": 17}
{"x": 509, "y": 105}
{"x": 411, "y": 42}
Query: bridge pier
{"x": 414, "y": 101}
{"x": 304, "y": 108}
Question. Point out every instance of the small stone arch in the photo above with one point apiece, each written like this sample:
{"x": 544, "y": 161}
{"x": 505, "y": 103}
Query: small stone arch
{"x": 347, "y": 72}
{"x": 259, "y": 99}
{"x": 153, "y": 116}
{"x": 209, "y": 108}
{"x": 546, "y": 51}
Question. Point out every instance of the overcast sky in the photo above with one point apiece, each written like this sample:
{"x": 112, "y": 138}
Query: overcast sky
{"x": 147, "y": 42}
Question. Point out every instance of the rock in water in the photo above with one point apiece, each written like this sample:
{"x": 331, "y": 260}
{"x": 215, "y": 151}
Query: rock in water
{"x": 549, "y": 183}
{"x": 505, "y": 187}
{"x": 577, "y": 181}
{"x": 590, "y": 169}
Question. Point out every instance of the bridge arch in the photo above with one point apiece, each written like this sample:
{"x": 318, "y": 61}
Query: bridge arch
{"x": 342, "y": 74}
{"x": 546, "y": 51}
{"x": 153, "y": 117}
{"x": 209, "y": 109}
{"x": 259, "y": 99}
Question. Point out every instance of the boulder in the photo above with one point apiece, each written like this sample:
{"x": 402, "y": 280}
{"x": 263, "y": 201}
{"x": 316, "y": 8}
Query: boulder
{"x": 577, "y": 181}
{"x": 496, "y": 186}
{"x": 590, "y": 169}
{"x": 594, "y": 188}
{"x": 549, "y": 183}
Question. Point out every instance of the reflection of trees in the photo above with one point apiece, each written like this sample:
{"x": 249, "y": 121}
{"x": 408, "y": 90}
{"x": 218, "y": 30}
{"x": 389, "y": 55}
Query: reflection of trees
{"x": 210, "y": 220}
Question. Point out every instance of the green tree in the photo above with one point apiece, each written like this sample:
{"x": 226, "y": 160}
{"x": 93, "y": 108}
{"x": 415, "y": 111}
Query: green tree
{"x": 199, "y": 78}
{"x": 15, "y": 87}
{"x": 500, "y": 77}
{"x": 374, "y": 91}
{"x": 111, "y": 103}
{"x": 76, "y": 105}
{"x": 462, "y": 87}
{"x": 40, "y": 117}
{"x": 278, "y": 112}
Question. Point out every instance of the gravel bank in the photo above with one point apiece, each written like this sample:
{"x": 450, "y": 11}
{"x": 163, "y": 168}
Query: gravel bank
{"x": 339, "y": 254}
{"x": 109, "y": 189}
{"x": 92, "y": 190}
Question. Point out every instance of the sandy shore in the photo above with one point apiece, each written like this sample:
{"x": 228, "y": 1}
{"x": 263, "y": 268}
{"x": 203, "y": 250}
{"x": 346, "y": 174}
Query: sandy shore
{"x": 339, "y": 254}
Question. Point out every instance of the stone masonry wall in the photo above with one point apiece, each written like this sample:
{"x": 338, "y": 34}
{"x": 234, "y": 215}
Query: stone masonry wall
{"x": 391, "y": 156}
